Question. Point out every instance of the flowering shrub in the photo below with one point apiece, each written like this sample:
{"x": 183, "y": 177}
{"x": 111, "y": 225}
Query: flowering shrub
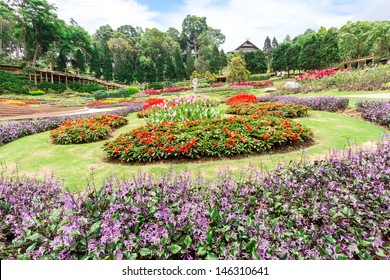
{"x": 375, "y": 111}
{"x": 320, "y": 103}
{"x": 151, "y": 91}
{"x": 318, "y": 74}
{"x": 14, "y": 130}
{"x": 362, "y": 79}
{"x": 205, "y": 138}
{"x": 176, "y": 89}
{"x": 151, "y": 102}
{"x": 242, "y": 98}
{"x": 334, "y": 209}
{"x": 263, "y": 84}
{"x": 239, "y": 84}
{"x": 86, "y": 130}
{"x": 282, "y": 109}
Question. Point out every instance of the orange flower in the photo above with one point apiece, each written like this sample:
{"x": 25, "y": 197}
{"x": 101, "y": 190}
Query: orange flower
{"x": 265, "y": 137}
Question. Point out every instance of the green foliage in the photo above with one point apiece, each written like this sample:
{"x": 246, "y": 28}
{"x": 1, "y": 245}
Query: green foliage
{"x": 256, "y": 61}
{"x": 237, "y": 71}
{"x": 80, "y": 87}
{"x": 132, "y": 91}
{"x": 10, "y": 83}
{"x": 170, "y": 68}
{"x": 36, "y": 92}
{"x": 210, "y": 77}
{"x": 101, "y": 94}
{"x": 259, "y": 77}
{"x": 181, "y": 71}
{"x": 156, "y": 85}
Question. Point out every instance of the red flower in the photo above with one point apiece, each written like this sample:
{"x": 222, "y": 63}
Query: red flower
{"x": 265, "y": 137}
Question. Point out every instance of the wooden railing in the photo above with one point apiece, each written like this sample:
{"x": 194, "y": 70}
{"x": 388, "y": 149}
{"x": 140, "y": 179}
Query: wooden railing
{"x": 40, "y": 75}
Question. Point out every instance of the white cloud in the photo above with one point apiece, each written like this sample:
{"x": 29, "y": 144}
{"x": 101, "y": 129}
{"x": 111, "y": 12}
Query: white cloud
{"x": 237, "y": 19}
{"x": 256, "y": 19}
{"x": 91, "y": 14}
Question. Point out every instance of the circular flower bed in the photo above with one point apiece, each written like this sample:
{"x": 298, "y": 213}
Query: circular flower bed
{"x": 206, "y": 138}
{"x": 242, "y": 98}
{"x": 86, "y": 130}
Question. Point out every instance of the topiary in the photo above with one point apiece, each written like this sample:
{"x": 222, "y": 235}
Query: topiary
{"x": 131, "y": 91}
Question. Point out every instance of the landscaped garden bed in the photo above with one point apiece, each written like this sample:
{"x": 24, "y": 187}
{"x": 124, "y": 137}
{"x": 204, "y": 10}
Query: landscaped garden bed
{"x": 86, "y": 130}
{"x": 206, "y": 138}
{"x": 336, "y": 208}
{"x": 375, "y": 111}
{"x": 278, "y": 109}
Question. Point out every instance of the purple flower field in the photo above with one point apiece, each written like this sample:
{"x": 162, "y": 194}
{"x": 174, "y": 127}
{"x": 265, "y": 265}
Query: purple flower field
{"x": 375, "y": 111}
{"x": 336, "y": 208}
{"x": 14, "y": 130}
{"x": 320, "y": 103}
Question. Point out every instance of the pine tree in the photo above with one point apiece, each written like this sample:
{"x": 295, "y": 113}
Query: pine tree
{"x": 170, "y": 69}
{"x": 139, "y": 71}
{"x": 222, "y": 58}
{"x": 107, "y": 63}
{"x": 94, "y": 66}
{"x": 128, "y": 69}
{"x": 79, "y": 61}
{"x": 215, "y": 61}
{"x": 181, "y": 72}
{"x": 190, "y": 63}
{"x": 160, "y": 68}
{"x": 310, "y": 56}
{"x": 267, "y": 49}
{"x": 275, "y": 43}
{"x": 119, "y": 71}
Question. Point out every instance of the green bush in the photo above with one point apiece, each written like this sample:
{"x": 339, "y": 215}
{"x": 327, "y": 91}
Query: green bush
{"x": 101, "y": 94}
{"x": 80, "y": 87}
{"x": 204, "y": 85}
{"x": 57, "y": 87}
{"x": 131, "y": 91}
{"x": 156, "y": 85}
{"x": 36, "y": 92}
{"x": 182, "y": 84}
{"x": 259, "y": 77}
{"x": 13, "y": 83}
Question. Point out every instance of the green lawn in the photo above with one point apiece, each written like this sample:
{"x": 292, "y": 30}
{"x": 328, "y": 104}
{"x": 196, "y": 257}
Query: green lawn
{"x": 35, "y": 155}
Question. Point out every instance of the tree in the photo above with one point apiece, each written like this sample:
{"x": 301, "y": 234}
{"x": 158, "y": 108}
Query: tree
{"x": 287, "y": 39}
{"x": 79, "y": 61}
{"x": 329, "y": 51}
{"x": 107, "y": 63}
{"x": 274, "y": 43}
{"x": 380, "y": 35}
{"x": 190, "y": 63}
{"x": 181, "y": 71}
{"x": 38, "y": 27}
{"x": 170, "y": 68}
{"x": 95, "y": 67}
{"x": 267, "y": 49}
{"x": 192, "y": 28}
{"x": 215, "y": 60}
{"x": 292, "y": 56}
{"x": 256, "y": 61}
{"x": 279, "y": 57}
{"x": 223, "y": 58}
{"x": 160, "y": 63}
{"x": 237, "y": 71}
{"x": 310, "y": 56}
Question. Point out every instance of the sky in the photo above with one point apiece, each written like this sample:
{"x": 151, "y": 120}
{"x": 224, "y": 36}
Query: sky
{"x": 237, "y": 19}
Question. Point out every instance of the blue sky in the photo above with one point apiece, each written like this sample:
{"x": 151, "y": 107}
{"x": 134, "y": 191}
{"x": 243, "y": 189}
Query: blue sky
{"x": 237, "y": 19}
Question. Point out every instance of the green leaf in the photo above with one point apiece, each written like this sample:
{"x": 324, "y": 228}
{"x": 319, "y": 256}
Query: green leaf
{"x": 255, "y": 256}
{"x": 323, "y": 251}
{"x": 215, "y": 215}
{"x": 211, "y": 256}
{"x": 342, "y": 258}
{"x": 380, "y": 253}
{"x": 175, "y": 249}
{"x": 31, "y": 248}
{"x": 164, "y": 240}
{"x": 290, "y": 224}
{"x": 332, "y": 212}
{"x": 55, "y": 214}
{"x": 33, "y": 237}
{"x": 252, "y": 199}
{"x": 144, "y": 252}
{"x": 364, "y": 243}
{"x": 202, "y": 251}
{"x": 251, "y": 244}
{"x": 95, "y": 227}
{"x": 187, "y": 241}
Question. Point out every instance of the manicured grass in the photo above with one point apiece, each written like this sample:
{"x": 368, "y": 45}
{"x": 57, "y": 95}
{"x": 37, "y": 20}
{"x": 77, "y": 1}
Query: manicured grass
{"x": 36, "y": 155}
